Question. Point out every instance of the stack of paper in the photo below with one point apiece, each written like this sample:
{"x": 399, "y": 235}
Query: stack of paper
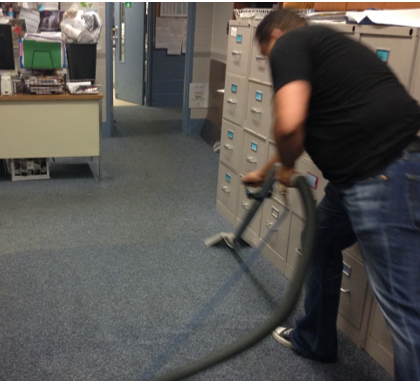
{"x": 403, "y": 17}
{"x": 44, "y": 85}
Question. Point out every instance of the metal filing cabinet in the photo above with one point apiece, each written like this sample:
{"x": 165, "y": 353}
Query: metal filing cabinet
{"x": 277, "y": 242}
{"x": 348, "y": 30}
{"x": 239, "y": 39}
{"x": 395, "y": 45}
{"x": 259, "y": 111}
{"x": 415, "y": 82}
{"x": 227, "y": 193}
{"x": 254, "y": 152}
{"x": 353, "y": 290}
{"x": 248, "y": 116}
{"x": 315, "y": 180}
{"x": 294, "y": 250}
{"x": 260, "y": 66}
{"x": 378, "y": 341}
{"x": 234, "y": 99}
{"x": 251, "y": 234}
{"x": 231, "y": 145}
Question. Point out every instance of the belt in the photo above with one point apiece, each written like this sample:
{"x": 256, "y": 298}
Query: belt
{"x": 414, "y": 146}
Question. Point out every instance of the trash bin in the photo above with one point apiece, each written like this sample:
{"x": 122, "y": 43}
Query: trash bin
{"x": 81, "y": 59}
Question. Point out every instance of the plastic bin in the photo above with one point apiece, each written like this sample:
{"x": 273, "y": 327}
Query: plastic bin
{"x": 81, "y": 60}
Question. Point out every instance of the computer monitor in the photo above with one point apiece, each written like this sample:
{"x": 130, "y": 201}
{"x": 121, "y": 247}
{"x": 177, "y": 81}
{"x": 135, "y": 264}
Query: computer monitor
{"x": 7, "y": 60}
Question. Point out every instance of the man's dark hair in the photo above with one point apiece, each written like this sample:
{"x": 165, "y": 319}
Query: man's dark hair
{"x": 282, "y": 19}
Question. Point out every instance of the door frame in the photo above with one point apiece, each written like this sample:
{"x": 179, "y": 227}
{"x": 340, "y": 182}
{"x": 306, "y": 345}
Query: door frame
{"x": 108, "y": 128}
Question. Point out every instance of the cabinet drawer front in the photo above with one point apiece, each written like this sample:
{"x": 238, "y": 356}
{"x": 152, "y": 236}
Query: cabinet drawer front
{"x": 231, "y": 145}
{"x": 259, "y": 111}
{"x": 234, "y": 99}
{"x": 353, "y": 290}
{"x": 227, "y": 191}
{"x": 254, "y": 153}
{"x": 238, "y": 49}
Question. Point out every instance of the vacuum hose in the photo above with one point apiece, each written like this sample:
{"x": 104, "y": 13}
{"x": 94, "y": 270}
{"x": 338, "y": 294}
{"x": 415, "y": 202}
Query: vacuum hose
{"x": 281, "y": 314}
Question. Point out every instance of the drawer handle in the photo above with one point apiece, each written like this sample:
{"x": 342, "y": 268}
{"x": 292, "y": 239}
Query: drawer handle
{"x": 298, "y": 251}
{"x": 344, "y": 290}
{"x": 231, "y": 101}
{"x": 245, "y": 205}
{"x": 251, "y": 159}
{"x": 256, "y": 110}
{"x": 270, "y": 226}
{"x": 236, "y": 53}
{"x": 225, "y": 189}
{"x": 260, "y": 58}
{"x": 228, "y": 146}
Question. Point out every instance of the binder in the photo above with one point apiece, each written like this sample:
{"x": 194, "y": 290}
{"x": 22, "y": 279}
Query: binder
{"x": 42, "y": 55}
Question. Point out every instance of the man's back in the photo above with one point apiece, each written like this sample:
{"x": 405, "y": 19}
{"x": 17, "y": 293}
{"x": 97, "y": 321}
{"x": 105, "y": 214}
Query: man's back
{"x": 360, "y": 116}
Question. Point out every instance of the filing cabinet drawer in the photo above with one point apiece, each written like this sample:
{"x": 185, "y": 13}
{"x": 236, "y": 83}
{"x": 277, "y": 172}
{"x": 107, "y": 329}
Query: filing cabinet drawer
{"x": 415, "y": 82}
{"x": 354, "y": 250}
{"x": 231, "y": 145}
{"x": 378, "y": 343}
{"x": 239, "y": 41}
{"x": 259, "y": 111}
{"x": 353, "y": 290}
{"x": 397, "y": 50}
{"x": 294, "y": 251}
{"x": 254, "y": 152}
{"x": 234, "y": 99}
{"x": 260, "y": 66}
{"x": 348, "y": 30}
{"x": 251, "y": 235}
{"x": 278, "y": 240}
{"x": 227, "y": 192}
{"x": 315, "y": 180}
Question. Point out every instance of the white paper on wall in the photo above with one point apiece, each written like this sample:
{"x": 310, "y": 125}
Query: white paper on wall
{"x": 174, "y": 45}
{"x": 162, "y": 38}
{"x": 162, "y": 22}
{"x": 199, "y": 95}
{"x": 233, "y": 31}
{"x": 176, "y": 26}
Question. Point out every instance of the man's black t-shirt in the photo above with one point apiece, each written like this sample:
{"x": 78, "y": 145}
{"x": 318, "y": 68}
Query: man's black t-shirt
{"x": 360, "y": 116}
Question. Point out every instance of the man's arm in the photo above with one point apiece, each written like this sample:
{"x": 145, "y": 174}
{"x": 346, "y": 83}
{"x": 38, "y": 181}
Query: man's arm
{"x": 291, "y": 105}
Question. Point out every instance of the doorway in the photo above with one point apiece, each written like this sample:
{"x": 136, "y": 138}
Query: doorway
{"x": 148, "y": 69}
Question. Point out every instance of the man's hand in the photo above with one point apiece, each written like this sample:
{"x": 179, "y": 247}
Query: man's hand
{"x": 284, "y": 174}
{"x": 254, "y": 178}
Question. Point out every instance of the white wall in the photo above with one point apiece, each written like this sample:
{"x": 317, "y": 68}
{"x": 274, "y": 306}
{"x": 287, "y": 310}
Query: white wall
{"x": 222, "y": 13}
{"x": 202, "y": 49}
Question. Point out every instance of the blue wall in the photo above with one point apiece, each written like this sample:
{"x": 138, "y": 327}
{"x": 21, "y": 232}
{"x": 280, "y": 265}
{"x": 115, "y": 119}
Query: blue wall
{"x": 167, "y": 79}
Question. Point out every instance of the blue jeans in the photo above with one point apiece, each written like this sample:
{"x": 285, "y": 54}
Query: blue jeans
{"x": 383, "y": 214}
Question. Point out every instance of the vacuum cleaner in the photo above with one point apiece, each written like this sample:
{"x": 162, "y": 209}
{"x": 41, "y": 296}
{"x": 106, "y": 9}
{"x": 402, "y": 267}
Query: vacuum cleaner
{"x": 232, "y": 240}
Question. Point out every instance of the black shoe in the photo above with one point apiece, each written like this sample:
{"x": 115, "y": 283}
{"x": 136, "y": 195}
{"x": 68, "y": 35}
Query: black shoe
{"x": 282, "y": 335}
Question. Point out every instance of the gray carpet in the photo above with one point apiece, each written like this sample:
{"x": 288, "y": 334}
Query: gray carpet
{"x": 110, "y": 280}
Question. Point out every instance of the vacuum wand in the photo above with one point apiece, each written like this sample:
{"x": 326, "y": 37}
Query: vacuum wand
{"x": 290, "y": 298}
{"x": 264, "y": 193}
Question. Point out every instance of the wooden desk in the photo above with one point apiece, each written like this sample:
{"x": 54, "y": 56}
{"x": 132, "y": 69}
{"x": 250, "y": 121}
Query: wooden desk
{"x": 46, "y": 126}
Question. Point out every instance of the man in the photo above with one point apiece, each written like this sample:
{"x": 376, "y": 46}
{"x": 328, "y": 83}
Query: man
{"x": 336, "y": 99}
